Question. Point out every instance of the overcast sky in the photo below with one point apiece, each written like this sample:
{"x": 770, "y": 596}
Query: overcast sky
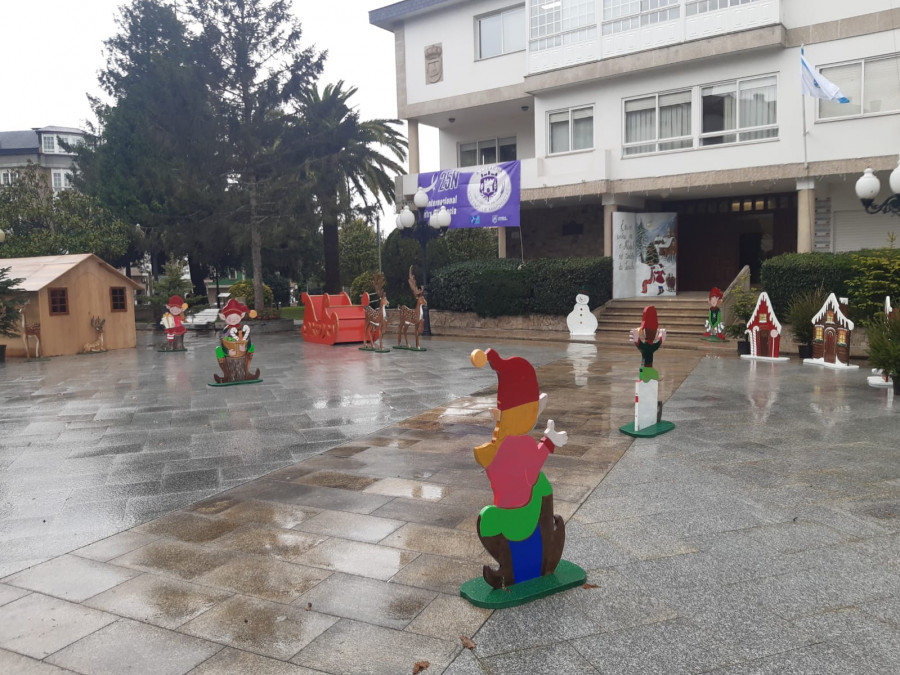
{"x": 51, "y": 51}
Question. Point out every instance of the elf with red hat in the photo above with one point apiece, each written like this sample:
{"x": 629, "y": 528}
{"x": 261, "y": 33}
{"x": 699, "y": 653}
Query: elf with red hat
{"x": 714, "y": 324}
{"x": 235, "y": 351}
{"x": 171, "y": 321}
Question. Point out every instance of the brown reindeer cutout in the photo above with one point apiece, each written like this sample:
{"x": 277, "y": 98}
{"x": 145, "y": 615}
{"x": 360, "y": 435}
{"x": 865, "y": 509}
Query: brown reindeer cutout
{"x": 31, "y": 330}
{"x": 412, "y": 317}
{"x": 376, "y": 319}
{"x": 97, "y": 345}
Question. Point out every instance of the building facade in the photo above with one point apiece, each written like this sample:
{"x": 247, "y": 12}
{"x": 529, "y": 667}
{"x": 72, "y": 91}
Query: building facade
{"x": 685, "y": 106}
{"x": 48, "y": 148}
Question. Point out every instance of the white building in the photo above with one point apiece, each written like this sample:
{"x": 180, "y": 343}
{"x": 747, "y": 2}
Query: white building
{"x": 43, "y": 147}
{"x": 686, "y": 106}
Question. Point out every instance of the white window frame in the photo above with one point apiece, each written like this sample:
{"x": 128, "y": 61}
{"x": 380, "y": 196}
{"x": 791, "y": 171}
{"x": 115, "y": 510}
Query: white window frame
{"x": 840, "y": 110}
{"x": 656, "y": 141}
{"x": 48, "y": 143}
{"x": 620, "y": 16}
{"x": 61, "y": 179}
{"x": 504, "y": 15}
{"x": 570, "y": 123}
{"x": 739, "y": 130}
{"x": 8, "y": 177}
{"x": 553, "y": 23}
{"x": 703, "y": 6}
{"x": 497, "y": 141}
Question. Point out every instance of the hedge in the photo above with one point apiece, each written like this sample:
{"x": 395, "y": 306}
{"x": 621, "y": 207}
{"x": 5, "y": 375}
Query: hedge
{"x": 786, "y": 276}
{"x": 508, "y": 287}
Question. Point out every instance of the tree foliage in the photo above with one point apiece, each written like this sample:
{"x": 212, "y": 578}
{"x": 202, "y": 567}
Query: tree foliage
{"x": 11, "y": 302}
{"x": 38, "y": 222}
{"x": 359, "y": 249}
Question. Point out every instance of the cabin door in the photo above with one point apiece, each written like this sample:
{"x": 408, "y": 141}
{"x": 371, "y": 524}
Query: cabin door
{"x": 762, "y": 343}
{"x": 830, "y": 345}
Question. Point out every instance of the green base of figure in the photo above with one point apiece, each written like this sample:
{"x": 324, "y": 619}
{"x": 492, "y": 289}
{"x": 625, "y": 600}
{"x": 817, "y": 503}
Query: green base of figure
{"x": 712, "y": 338}
{"x": 411, "y": 349}
{"x": 37, "y": 358}
{"x": 481, "y": 594}
{"x": 172, "y": 350}
{"x": 660, "y": 427}
{"x": 377, "y": 351}
{"x": 231, "y": 384}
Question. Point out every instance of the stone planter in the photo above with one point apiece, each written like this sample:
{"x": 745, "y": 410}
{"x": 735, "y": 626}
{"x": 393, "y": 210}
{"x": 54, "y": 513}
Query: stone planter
{"x": 743, "y": 347}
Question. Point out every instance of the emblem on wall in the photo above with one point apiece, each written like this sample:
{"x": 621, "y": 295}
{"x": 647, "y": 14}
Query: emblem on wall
{"x": 434, "y": 63}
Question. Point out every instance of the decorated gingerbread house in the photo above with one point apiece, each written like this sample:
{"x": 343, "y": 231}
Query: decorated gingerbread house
{"x": 764, "y": 329}
{"x": 831, "y": 332}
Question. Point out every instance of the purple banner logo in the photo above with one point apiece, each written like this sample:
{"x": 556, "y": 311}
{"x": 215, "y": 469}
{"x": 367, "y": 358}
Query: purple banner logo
{"x": 486, "y": 197}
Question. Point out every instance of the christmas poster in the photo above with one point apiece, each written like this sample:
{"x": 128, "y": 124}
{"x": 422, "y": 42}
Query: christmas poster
{"x": 644, "y": 254}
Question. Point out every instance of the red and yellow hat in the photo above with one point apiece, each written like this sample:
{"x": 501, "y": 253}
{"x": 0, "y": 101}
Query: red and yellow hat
{"x": 234, "y": 307}
{"x": 516, "y": 380}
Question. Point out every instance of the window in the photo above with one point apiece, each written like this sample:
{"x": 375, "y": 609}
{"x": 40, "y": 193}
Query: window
{"x": 624, "y": 15}
{"x": 659, "y": 122}
{"x": 501, "y": 33}
{"x": 118, "y": 299}
{"x": 62, "y": 180}
{"x": 872, "y": 85}
{"x": 571, "y": 130}
{"x": 59, "y": 301}
{"x": 49, "y": 143}
{"x": 8, "y": 177}
{"x": 489, "y": 151}
{"x": 703, "y": 6}
{"x": 558, "y": 22}
{"x": 741, "y": 110}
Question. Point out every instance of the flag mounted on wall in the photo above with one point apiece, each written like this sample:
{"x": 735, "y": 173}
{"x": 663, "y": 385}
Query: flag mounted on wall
{"x": 817, "y": 85}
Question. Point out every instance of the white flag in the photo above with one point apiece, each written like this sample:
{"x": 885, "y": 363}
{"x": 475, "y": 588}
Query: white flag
{"x": 815, "y": 84}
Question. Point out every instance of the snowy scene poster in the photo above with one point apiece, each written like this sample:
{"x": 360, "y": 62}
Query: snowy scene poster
{"x": 645, "y": 252}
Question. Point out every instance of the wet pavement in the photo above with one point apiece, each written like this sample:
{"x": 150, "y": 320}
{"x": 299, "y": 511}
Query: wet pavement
{"x": 760, "y": 536}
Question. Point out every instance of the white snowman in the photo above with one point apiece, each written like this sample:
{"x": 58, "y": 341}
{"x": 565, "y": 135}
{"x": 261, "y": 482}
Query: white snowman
{"x": 580, "y": 321}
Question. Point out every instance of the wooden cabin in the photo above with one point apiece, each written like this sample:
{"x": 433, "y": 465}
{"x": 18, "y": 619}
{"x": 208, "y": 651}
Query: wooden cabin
{"x": 65, "y": 293}
{"x": 764, "y": 329}
{"x": 831, "y": 332}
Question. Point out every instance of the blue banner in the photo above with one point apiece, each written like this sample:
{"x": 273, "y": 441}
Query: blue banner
{"x": 485, "y": 197}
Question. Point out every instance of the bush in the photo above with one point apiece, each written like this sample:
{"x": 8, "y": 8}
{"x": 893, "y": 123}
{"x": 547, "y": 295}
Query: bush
{"x": 741, "y": 304}
{"x": 884, "y": 345}
{"x": 804, "y": 306}
{"x": 244, "y": 289}
{"x": 788, "y": 275}
{"x": 364, "y": 283}
{"x": 507, "y": 287}
{"x": 876, "y": 275}
{"x": 11, "y": 303}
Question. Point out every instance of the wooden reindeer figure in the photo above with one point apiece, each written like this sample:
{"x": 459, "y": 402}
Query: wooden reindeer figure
{"x": 412, "y": 317}
{"x": 376, "y": 319}
{"x": 31, "y": 330}
{"x": 97, "y": 345}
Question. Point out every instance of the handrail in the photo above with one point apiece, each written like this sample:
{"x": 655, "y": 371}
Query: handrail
{"x": 743, "y": 280}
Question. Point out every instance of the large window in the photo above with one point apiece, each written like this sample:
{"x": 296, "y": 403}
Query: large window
{"x": 59, "y": 301}
{"x": 740, "y": 110}
{"x": 623, "y": 15}
{"x": 558, "y": 22}
{"x": 872, "y": 85}
{"x": 49, "y": 143}
{"x": 571, "y": 129}
{"x": 8, "y": 177}
{"x": 489, "y": 151}
{"x": 501, "y": 33}
{"x": 703, "y": 6}
{"x": 62, "y": 180}
{"x": 659, "y": 122}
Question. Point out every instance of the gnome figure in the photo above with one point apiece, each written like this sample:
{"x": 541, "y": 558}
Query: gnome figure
{"x": 519, "y": 530}
{"x": 235, "y": 351}
{"x": 171, "y": 321}
{"x": 715, "y": 327}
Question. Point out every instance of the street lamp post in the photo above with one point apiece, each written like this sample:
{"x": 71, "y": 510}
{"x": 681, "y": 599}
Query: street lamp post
{"x": 868, "y": 186}
{"x": 423, "y": 230}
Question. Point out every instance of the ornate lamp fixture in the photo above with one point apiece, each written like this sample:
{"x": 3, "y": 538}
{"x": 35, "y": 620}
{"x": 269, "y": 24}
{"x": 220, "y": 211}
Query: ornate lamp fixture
{"x": 868, "y": 187}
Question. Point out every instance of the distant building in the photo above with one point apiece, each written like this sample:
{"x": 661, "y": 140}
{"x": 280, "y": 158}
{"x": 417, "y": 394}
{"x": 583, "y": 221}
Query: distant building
{"x": 685, "y": 106}
{"x": 43, "y": 147}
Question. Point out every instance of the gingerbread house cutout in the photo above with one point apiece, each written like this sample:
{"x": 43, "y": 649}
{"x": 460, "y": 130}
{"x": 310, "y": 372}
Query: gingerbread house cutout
{"x": 831, "y": 335}
{"x": 764, "y": 332}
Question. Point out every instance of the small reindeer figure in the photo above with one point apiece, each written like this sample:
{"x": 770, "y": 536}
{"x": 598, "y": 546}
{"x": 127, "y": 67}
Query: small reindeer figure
{"x": 377, "y": 319}
{"x": 412, "y": 317}
{"x": 97, "y": 345}
{"x": 31, "y": 330}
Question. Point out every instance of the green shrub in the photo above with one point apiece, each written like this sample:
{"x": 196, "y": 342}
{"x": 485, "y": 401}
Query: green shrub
{"x": 453, "y": 287}
{"x": 502, "y": 292}
{"x": 11, "y": 303}
{"x": 787, "y": 275}
{"x": 364, "y": 283}
{"x": 884, "y": 345}
{"x": 244, "y": 289}
{"x": 804, "y": 306}
{"x": 876, "y": 275}
{"x": 741, "y": 304}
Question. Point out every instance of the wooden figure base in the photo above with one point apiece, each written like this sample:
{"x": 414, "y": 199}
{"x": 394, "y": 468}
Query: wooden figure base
{"x": 102, "y": 351}
{"x": 44, "y": 358}
{"x": 713, "y": 338}
{"x": 411, "y": 349}
{"x": 232, "y": 384}
{"x": 377, "y": 351}
{"x": 833, "y": 366}
{"x": 481, "y": 594}
{"x": 660, "y": 427}
{"x": 771, "y": 359}
{"x": 172, "y": 350}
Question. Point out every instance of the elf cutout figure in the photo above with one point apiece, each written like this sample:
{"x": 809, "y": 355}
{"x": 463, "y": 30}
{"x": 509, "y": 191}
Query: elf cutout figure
{"x": 519, "y": 530}
{"x": 648, "y": 338}
{"x": 235, "y": 351}
{"x": 175, "y": 329}
{"x": 715, "y": 327}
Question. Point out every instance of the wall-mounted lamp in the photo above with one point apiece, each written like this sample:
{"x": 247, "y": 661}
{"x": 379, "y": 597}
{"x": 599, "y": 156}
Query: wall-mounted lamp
{"x": 451, "y": 119}
{"x": 524, "y": 108}
{"x": 868, "y": 187}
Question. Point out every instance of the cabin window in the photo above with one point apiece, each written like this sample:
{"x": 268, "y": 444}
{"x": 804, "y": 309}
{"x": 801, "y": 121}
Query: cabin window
{"x": 59, "y": 301}
{"x": 118, "y": 299}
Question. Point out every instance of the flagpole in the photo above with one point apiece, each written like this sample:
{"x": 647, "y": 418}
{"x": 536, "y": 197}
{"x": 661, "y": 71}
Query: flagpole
{"x": 803, "y": 108}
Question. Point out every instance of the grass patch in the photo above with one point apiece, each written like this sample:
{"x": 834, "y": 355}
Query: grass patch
{"x": 292, "y": 312}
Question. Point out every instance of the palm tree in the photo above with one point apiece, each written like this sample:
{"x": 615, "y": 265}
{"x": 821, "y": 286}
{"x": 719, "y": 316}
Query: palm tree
{"x": 343, "y": 158}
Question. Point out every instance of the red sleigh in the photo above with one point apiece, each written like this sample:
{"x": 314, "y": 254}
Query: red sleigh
{"x": 329, "y": 319}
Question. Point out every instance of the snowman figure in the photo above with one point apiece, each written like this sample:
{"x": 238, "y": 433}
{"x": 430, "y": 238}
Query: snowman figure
{"x": 580, "y": 321}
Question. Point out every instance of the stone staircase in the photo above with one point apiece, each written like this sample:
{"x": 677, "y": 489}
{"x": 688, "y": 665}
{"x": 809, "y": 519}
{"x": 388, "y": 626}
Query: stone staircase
{"x": 682, "y": 316}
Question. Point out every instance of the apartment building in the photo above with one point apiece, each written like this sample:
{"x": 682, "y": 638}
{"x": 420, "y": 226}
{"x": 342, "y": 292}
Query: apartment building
{"x": 692, "y": 107}
{"x": 43, "y": 147}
